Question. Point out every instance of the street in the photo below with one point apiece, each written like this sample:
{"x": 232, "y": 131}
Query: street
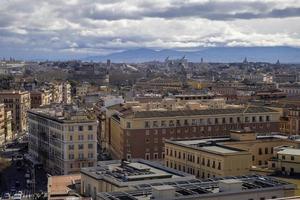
{"x": 19, "y": 174}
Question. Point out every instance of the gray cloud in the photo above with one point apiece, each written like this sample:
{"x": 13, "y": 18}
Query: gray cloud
{"x": 89, "y": 27}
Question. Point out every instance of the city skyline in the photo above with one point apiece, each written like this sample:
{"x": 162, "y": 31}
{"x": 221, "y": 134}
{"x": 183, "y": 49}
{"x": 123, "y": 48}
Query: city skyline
{"x": 77, "y": 29}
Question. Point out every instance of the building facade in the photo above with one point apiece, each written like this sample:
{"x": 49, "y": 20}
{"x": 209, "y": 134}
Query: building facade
{"x": 206, "y": 159}
{"x": 141, "y": 134}
{"x": 40, "y": 98}
{"x": 62, "y": 140}
{"x": 18, "y": 103}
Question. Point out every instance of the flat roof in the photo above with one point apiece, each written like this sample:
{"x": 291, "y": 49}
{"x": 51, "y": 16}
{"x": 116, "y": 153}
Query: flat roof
{"x": 151, "y": 114}
{"x": 138, "y": 171}
{"x": 219, "y": 149}
{"x": 197, "y": 189}
{"x": 59, "y": 185}
{"x": 290, "y": 151}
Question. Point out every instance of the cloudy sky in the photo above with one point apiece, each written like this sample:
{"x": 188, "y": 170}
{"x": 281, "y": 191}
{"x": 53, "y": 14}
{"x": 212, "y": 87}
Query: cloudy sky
{"x": 79, "y": 28}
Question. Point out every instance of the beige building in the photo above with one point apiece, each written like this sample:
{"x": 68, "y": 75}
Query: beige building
{"x": 226, "y": 156}
{"x": 18, "y": 103}
{"x": 40, "y": 98}
{"x": 82, "y": 90}
{"x": 61, "y": 92}
{"x": 5, "y": 125}
{"x": 286, "y": 160}
{"x": 63, "y": 139}
{"x": 134, "y": 133}
{"x": 206, "y": 158}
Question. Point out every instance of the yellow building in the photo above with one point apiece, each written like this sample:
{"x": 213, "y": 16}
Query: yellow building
{"x": 206, "y": 159}
{"x": 226, "y": 156}
{"x": 63, "y": 139}
{"x": 18, "y": 102}
{"x": 2, "y": 124}
{"x": 5, "y": 125}
{"x": 286, "y": 160}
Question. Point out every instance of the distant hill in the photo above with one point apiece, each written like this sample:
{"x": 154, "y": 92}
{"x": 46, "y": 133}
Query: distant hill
{"x": 215, "y": 54}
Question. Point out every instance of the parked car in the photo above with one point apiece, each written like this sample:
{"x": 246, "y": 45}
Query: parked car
{"x": 6, "y": 196}
{"x": 17, "y": 196}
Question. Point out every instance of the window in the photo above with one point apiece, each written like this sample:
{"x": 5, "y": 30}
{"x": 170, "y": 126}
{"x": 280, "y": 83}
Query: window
{"x": 194, "y": 122}
{"x": 238, "y": 119}
{"x": 292, "y": 170}
{"x": 208, "y": 163}
{"x": 90, "y": 146}
{"x": 178, "y": 123}
{"x": 230, "y": 120}
{"x": 80, "y": 128}
{"x": 214, "y": 164}
{"x": 292, "y": 158}
{"x": 71, "y": 137}
{"x": 128, "y": 125}
{"x": 216, "y": 120}
{"x": 90, "y": 155}
{"x": 259, "y": 162}
{"x": 90, "y": 128}
{"x": 80, "y": 146}
{"x": 171, "y": 123}
{"x": 155, "y": 124}
{"x": 224, "y": 120}
{"x": 283, "y": 157}
{"x": 283, "y": 169}
{"x": 71, "y": 156}
{"x": 71, "y": 147}
{"x": 260, "y": 118}
{"x": 147, "y": 124}
{"x": 246, "y": 119}
{"x": 260, "y": 151}
{"x": 267, "y": 118}
{"x": 163, "y": 123}
{"x": 262, "y": 198}
{"x": 186, "y": 123}
{"x": 219, "y": 166}
{"x": 80, "y": 137}
{"x": 266, "y": 150}
{"x": 155, "y": 155}
{"x": 147, "y": 156}
{"x": 253, "y": 158}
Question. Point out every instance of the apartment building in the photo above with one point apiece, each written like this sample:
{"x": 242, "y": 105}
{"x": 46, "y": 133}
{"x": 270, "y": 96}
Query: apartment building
{"x": 206, "y": 158}
{"x": 62, "y": 138}
{"x": 18, "y": 102}
{"x": 286, "y": 160}
{"x": 2, "y": 124}
{"x": 290, "y": 124}
{"x": 40, "y": 98}
{"x": 61, "y": 92}
{"x": 141, "y": 133}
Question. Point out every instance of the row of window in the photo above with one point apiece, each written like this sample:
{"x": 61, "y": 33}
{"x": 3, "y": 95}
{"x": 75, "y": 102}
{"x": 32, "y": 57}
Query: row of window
{"x": 195, "y": 122}
{"x": 260, "y": 151}
{"x": 81, "y": 146}
{"x": 81, "y": 137}
{"x": 80, "y": 128}
{"x": 79, "y": 165}
{"x": 81, "y": 156}
{"x": 192, "y": 158}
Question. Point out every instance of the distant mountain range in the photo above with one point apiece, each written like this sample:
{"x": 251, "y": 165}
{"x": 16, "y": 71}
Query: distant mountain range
{"x": 215, "y": 54}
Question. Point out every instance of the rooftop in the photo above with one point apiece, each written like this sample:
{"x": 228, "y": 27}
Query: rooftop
{"x": 195, "y": 189}
{"x": 151, "y": 114}
{"x": 63, "y": 113}
{"x": 124, "y": 173}
{"x": 290, "y": 151}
